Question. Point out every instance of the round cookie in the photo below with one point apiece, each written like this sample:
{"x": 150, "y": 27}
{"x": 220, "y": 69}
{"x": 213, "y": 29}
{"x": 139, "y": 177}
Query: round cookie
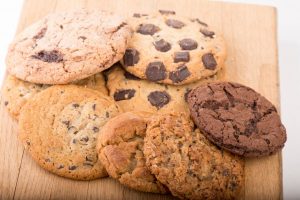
{"x": 59, "y": 127}
{"x": 17, "y": 92}
{"x": 237, "y": 118}
{"x": 68, "y": 46}
{"x": 175, "y": 50}
{"x": 134, "y": 94}
{"x": 187, "y": 163}
{"x": 120, "y": 147}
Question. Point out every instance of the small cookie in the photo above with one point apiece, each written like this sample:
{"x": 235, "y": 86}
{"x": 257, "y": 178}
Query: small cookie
{"x": 134, "y": 94}
{"x": 120, "y": 147}
{"x": 16, "y": 92}
{"x": 237, "y": 118}
{"x": 68, "y": 46}
{"x": 173, "y": 50}
{"x": 187, "y": 163}
{"x": 59, "y": 127}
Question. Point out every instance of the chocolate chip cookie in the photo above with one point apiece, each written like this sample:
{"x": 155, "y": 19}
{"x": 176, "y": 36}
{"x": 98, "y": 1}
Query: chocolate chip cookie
{"x": 16, "y": 92}
{"x": 120, "y": 147}
{"x": 187, "y": 163}
{"x": 59, "y": 127}
{"x": 169, "y": 49}
{"x": 134, "y": 94}
{"x": 68, "y": 46}
{"x": 237, "y": 118}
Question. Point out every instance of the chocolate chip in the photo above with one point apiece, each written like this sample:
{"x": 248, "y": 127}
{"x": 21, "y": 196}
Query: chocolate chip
{"x": 74, "y": 141}
{"x": 5, "y": 103}
{"x": 156, "y": 71}
{"x": 137, "y": 15}
{"x": 40, "y": 34}
{"x": 95, "y": 129}
{"x": 186, "y": 94}
{"x": 88, "y": 164}
{"x": 175, "y": 23}
{"x": 84, "y": 139}
{"x": 130, "y": 76}
{"x": 167, "y": 12}
{"x": 199, "y": 22}
{"x": 75, "y": 105}
{"x": 47, "y": 160}
{"x": 207, "y": 33}
{"x": 182, "y": 56}
{"x": 147, "y": 29}
{"x": 107, "y": 114}
{"x": 124, "y": 94}
{"x": 73, "y": 167}
{"x": 188, "y": 44}
{"x": 209, "y": 61}
{"x": 72, "y": 130}
{"x": 180, "y": 74}
{"x": 61, "y": 26}
{"x": 60, "y": 166}
{"x": 162, "y": 45}
{"x": 67, "y": 123}
{"x": 94, "y": 106}
{"x": 49, "y": 56}
{"x": 131, "y": 57}
{"x": 159, "y": 98}
{"x": 82, "y": 37}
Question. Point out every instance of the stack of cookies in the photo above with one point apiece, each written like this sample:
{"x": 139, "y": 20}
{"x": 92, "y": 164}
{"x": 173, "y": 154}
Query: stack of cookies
{"x": 137, "y": 99}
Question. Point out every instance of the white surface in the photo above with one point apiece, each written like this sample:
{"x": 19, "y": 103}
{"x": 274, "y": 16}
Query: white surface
{"x": 289, "y": 62}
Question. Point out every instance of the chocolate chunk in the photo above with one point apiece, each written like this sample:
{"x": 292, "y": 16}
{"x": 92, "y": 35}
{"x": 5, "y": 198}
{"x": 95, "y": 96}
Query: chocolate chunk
{"x": 94, "y": 106}
{"x": 156, "y": 71}
{"x": 84, "y": 139}
{"x": 40, "y": 34}
{"x": 130, "y": 76}
{"x": 180, "y": 74}
{"x": 74, "y": 141}
{"x": 137, "y": 15}
{"x": 159, "y": 98}
{"x": 95, "y": 129}
{"x": 188, "y": 44}
{"x": 124, "y": 94}
{"x": 49, "y": 56}
{"x": 82, "y": 38}
{"x": 67, "y": 123}
{"x": 199, "y": 22}
{"x": 209, "y": 61}
{"x": 182, "y": 56}
{"x": 175, "y": 23}
{"x": 75, "y": 105}
{"x": 73, "y": 167}
{"x": 131, "y": 57}
{"x": 167, "y": 12}
{"x": 5, "y": 103}
{"x": 107, "y": 114}
{"x": 207, "y": 33}
{"x": 162, "y": 45}
{"x": 186, "y": 94}
{"x": 147, "y": 29}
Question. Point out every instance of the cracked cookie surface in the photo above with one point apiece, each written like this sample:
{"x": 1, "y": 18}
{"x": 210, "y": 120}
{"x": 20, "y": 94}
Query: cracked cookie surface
{"x": 175, "y": 50}
{"x": 17, "y": 92}
{"x": 68, "y": 46}
{"x": 237, "y": 118}
{"x": 59, "y": 127}
{"x": 120, "y": 147}
{"x": 187, "y": 163}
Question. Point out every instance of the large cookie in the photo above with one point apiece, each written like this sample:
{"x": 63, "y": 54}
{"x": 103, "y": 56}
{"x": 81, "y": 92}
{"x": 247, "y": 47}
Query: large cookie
{"x": 134, "y": 94}
{"x": 59, "y": 127}
{"x": 68, "y": 46}
{"x": 237, "y": 118}
{"x": 187, "y": 163}
{"x": 174, "y": 50}
{"x": 120, "y": 147}
{"x": 17, "y": 92}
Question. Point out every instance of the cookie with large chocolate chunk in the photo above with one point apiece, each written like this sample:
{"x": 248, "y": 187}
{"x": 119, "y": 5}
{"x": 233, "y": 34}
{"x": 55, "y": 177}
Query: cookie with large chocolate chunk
{"x": 174, "y": 50}
{"x": 59, "y": 128}
{"x": 187, "y": 163}
{"x": 120, "y": 147}
{"x": 134, "y": 94}
{"x": 237, "y": 118}
{"x": 69, "y": 46}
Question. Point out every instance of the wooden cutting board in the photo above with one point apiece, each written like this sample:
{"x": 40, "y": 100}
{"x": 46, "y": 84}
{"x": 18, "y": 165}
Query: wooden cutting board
{"x": 250, "y": 32}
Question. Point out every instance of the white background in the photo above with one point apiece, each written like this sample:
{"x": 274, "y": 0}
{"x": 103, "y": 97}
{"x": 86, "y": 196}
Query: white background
{"x": 289, "y": 62}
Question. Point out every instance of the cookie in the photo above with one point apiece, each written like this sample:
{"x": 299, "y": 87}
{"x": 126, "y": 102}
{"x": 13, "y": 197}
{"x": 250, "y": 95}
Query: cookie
{"x": 68, "y": 46}
{"x": 16, "y": 92}
{"x": 237, "y": 118}
{"x": 120, "y": 147}
{"x": 187, "y": 163}
{"x": 174, "y": 50}
{"x": 134, "y": 94}
{"x": 59, "y": 127}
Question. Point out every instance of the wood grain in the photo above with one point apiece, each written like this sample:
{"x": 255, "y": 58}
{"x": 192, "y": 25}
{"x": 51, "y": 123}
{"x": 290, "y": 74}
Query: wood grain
{"x": 250, "y": 32}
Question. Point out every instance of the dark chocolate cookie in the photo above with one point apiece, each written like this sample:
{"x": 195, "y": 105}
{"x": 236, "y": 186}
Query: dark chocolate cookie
{"x": 237, "y": 118}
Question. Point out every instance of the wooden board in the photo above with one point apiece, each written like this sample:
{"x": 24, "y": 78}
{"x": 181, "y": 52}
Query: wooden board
{"x": 250, "y": 32}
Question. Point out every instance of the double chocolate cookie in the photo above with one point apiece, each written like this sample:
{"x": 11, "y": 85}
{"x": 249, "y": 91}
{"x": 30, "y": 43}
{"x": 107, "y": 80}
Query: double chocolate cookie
{"x": 173, "y": 50}
{"x": 237, "y": 118}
